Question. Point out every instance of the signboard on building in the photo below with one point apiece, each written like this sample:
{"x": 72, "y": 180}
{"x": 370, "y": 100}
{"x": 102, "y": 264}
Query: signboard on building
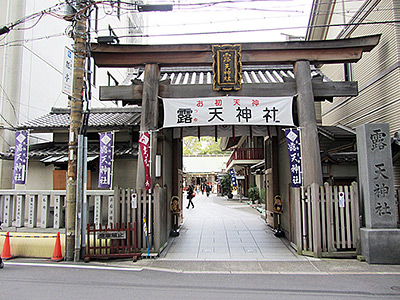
{"x": 227, "y": 67}
{"x": 228, "y": 110}
{"x": 67, "y": 72}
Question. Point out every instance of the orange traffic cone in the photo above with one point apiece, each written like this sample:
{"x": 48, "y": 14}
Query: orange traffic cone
{"x": 57, "y": 256}
{"x": 6, "y": 254}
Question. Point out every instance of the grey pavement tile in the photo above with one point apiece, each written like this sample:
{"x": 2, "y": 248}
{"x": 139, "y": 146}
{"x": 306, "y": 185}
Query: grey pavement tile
{"x": 248, "y": 245}
{"x": 213, "y": 255}
{"x": 276, "y": 252}
{"x": 287, "y": 267}
{"x": 251, "y": 250}
{"x": 185, "y": 245}
{"x": 234, "y": 240}
{"x": 183, "y": 250}
{"x": 229, "y": 266}
{"x": 274, "y": 249}
{"x": 221, "y": 250}
{"x": 215, "y": 232}
{"x": 206, "y": 250}
{"x": 352, "y": 265}
{"x": 248, "y": 241}
{"x": 181, "y": 256}
{"x": 280, "y": 254}
{"x": 246, "y": 255}
{"x": 194, "y": 266}
{"x": 213, "y": 245}
{"x": 237, "y": 250}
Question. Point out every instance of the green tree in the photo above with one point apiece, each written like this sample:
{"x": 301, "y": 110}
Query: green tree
{"x": 204, "y": 146}
{"x": 191, "y": 145}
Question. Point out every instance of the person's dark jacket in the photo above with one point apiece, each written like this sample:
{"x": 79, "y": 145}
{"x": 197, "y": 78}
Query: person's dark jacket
{"x": 190, "y": 192}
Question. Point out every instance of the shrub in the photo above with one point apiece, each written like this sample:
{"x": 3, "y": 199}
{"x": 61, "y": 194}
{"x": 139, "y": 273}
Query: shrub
{"x": 226, "y": 185}
{"x": 262, "y": 195}
{"x": 254, "y": 194}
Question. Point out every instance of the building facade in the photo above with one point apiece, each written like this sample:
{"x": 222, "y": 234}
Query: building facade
{"x": 32, "y": 58}
{"x": 377, "y": 72}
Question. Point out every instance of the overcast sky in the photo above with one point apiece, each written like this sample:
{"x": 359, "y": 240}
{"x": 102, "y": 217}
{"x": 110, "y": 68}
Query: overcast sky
{"x": 193, "y": 21}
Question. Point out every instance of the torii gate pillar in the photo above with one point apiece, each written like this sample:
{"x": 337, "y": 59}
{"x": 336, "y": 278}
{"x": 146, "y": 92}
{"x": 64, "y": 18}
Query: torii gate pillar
{"x": 149, "y": 117}
{"x": 312, "y": 171}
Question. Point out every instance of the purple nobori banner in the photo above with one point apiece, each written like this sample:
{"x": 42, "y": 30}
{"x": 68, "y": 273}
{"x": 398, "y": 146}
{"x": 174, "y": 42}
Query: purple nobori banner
{"x": 293, "y": 145}
{"x": 106, "y": 160}
{"x": 20, "y": 157}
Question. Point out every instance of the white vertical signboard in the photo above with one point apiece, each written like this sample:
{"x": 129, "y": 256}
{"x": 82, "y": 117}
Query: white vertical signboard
{"x": 67, "y": 72}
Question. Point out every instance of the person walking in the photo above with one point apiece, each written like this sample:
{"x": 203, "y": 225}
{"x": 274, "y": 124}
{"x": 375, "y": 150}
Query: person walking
{"x": 208, "y": 189}
{"x": 190, "y": 196}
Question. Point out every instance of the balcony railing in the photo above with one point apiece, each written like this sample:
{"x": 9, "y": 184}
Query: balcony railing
{"x": 246, "y": 154}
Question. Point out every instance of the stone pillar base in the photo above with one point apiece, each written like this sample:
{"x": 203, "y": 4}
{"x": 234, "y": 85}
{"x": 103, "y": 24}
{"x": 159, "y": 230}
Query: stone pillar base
{"x": 381, "y": 246}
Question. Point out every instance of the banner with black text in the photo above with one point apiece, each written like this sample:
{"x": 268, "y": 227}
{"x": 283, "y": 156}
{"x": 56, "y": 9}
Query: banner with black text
{"x": 229, "y": 110}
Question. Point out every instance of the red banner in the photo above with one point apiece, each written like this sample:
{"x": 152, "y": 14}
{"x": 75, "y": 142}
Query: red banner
{"x": 144, "y": 143}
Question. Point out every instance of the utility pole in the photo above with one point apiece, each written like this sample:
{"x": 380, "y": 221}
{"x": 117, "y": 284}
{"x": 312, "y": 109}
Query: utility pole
{"x": 80, "y": 40}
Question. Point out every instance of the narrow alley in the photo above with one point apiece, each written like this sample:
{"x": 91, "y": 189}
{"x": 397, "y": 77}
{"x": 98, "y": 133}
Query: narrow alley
{"x": 221, "y": 229}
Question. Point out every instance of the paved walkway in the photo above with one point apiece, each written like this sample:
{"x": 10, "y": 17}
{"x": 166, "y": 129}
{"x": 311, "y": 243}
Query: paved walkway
{"x": 219, "y": 229}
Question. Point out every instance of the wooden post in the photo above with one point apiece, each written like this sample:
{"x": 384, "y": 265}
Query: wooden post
{"x": 316, "y": 219}
{"x": 312, "y": 171}
{"x": 72, "y": 253}
{"x": 297, "y": 209}
{"x": 149, "y": 121}
{"x": 149, "y": 116}
{"x": 157, "y": 218}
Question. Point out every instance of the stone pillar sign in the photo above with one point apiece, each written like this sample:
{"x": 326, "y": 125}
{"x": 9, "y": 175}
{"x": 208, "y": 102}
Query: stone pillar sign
{"x": 380, "y": 239}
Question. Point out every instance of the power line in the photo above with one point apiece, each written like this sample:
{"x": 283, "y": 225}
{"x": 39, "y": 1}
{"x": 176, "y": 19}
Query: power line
{"x": 42, "y": 59}
{"x": 260, "y": 30}
{"x": 104, "y": 3}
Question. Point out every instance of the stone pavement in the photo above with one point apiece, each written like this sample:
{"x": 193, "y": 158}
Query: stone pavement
{"x": 224, "y": 229}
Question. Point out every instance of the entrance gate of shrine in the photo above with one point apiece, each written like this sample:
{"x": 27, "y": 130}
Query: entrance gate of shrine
{"x": 299, "y": 54}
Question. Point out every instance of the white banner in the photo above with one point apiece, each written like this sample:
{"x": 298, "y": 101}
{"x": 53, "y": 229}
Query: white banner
{"x": 67, "y": 72}
{"x": 229, "y": 110}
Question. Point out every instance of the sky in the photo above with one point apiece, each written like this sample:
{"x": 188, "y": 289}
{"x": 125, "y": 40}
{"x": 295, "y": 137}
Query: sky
{"x": 194, "y": 21}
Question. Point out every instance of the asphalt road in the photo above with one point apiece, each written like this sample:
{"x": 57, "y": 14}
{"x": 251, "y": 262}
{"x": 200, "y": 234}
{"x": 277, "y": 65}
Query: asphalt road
{"x": 27, "y": 281}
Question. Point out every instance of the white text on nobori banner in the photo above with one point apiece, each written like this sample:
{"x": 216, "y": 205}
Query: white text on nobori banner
{"x": 228, "y": 110}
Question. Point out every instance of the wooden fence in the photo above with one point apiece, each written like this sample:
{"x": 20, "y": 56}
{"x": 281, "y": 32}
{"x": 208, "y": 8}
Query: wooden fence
{"x": 329, "y": 221}
{"x": 32, "y": 209}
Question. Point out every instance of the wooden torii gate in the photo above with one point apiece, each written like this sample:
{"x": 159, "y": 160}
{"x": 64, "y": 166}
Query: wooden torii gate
{"x": 300, "y": 54}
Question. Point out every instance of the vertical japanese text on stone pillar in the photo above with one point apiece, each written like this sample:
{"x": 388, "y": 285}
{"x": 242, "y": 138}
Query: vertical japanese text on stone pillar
{"x": 376, "y": 175}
